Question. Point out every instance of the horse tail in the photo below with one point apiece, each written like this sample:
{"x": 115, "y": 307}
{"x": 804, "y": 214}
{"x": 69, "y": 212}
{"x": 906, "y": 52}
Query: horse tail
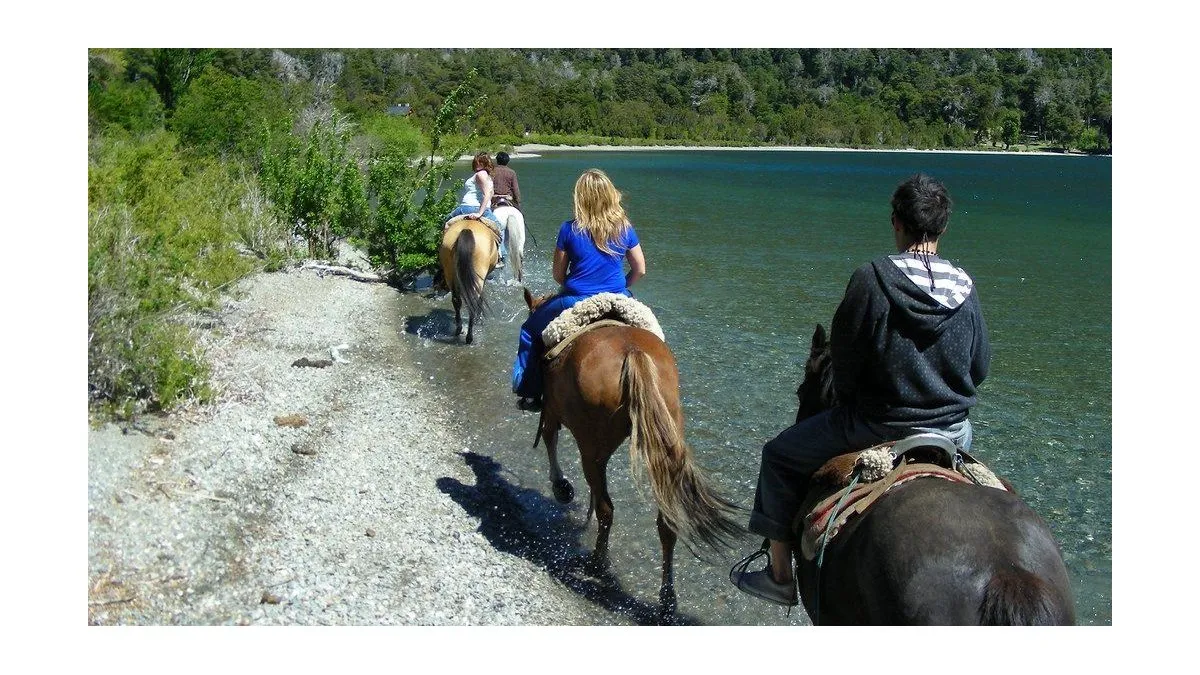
{"x": 469, "y": 284}
{"x": 1017, "y": 597}
{"x": 686, "y": 500}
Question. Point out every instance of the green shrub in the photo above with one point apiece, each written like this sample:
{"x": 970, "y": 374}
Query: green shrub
{"x": 225, "y": 115}
{"x": 393, "y": 135}
{"x": 161, "y": 233}
{"x": 131, "y": 106}
{"x": 316, "y": 185}
{"x": 410, "y": 202}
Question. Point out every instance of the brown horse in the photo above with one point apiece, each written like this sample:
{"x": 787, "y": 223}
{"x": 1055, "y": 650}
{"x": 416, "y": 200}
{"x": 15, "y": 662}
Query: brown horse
{"x": 615, "y": 382}
{"x": 930, "y": 551}
{"x": 469, "y": 252}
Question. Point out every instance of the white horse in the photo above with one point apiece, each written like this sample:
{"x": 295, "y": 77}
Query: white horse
{"x": 514, "y": 236}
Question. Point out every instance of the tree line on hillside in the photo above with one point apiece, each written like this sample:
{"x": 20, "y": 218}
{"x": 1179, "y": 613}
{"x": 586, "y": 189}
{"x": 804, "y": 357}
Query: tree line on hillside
{"x": 921, "y": 98}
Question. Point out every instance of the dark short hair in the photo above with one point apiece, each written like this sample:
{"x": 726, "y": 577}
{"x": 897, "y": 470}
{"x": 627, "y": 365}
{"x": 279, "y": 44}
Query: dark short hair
{"x": 502, "y": 158}
{"x": 922, "y": 205}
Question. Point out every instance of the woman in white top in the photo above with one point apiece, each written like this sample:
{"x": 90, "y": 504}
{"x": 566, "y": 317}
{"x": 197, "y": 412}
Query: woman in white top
{"x": 476, "y": 200}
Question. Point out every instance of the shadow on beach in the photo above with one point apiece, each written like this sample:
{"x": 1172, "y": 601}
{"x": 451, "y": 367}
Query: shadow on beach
{"x": 525, "y": 523}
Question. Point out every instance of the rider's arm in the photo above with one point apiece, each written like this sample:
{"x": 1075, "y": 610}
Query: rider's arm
{"x": 516, "y": 189}
{"x": 560, "y": 266}
{"x": 637, "y": 265}
{"x": 485, "y": 187}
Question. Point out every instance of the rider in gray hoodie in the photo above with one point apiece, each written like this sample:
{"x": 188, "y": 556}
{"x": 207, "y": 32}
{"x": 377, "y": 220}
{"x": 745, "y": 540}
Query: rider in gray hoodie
{"x": 909, "y": 348}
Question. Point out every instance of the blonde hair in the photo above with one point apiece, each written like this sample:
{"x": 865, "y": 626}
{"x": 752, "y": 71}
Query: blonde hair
{"x": 598, "y": 209}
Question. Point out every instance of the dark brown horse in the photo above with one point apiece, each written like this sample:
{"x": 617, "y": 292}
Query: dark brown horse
{"x": 469, "y": 252}
{"x": 618, "y": 382}
{"x": 930, "y": 551}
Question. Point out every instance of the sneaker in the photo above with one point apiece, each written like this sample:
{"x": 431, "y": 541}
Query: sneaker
{"x": 530, "y": 404}
{"x": 761, "y": 584}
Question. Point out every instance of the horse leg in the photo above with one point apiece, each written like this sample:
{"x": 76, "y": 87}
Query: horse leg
{"x": 563, "y": 491}
{"x": 666, "y": 592}
{"x": 470, "y": 327}
{"x": 457, "y": 313}
{"x": 594, "y": 470}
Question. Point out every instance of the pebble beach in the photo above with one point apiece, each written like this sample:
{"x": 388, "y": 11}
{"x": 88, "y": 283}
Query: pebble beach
{"x": 303, "y": 495}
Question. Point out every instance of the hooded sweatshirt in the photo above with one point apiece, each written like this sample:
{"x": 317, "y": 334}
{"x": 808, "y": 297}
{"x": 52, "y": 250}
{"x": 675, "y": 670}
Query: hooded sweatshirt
{"x": 908, "y": 353}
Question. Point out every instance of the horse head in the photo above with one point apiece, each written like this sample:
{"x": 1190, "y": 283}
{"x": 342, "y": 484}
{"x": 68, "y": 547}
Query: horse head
{"x": 532, "y": 302}
{"x": 815, "y": 392}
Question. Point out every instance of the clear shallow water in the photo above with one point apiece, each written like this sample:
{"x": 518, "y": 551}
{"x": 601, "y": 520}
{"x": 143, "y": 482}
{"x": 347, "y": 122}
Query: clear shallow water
{"x": 746, "y": 252}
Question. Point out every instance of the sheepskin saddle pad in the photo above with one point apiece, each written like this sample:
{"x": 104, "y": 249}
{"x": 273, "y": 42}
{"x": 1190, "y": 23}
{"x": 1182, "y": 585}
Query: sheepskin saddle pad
{"x": 606, "y": 307}
{"x": 877, "y": 475}
{"x": 493, "y": 225}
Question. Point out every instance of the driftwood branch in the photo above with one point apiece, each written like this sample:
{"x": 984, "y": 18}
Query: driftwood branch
{"x": 343, "y": 271}
{"x": 118, "y": 601}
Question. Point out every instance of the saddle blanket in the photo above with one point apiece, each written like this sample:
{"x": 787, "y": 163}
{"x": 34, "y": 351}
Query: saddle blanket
{"x": 601, "y": 306}
{"x": 495, "y": 227}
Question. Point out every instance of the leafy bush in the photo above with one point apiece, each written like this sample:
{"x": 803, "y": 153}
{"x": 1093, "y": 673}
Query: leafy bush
{"x": 114, "y": 103}
{"x": 161, "y": 231}
{"x": 410, "y": 203}
{"x": 316, "y": 185}
{"x": 394, "y": 135}
{"x": 133, "y": 107}
{"x": 221, "y": 114}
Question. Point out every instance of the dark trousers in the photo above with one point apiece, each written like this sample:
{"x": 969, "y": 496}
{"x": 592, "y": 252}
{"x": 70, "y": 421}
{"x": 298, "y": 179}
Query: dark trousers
{"x": 790, "y": 459}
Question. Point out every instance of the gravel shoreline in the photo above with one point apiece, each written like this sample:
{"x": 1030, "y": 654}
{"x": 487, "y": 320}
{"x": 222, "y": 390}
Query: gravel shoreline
{"x": 303, "y": 495}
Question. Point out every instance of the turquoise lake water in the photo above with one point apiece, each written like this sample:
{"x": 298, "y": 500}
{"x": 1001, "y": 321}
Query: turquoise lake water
{"x": 747, "y": 252}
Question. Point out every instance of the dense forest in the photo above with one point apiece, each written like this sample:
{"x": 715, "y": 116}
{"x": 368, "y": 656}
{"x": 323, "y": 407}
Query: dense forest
{"x": 923, "y": 98}
{"x": 920, "y": 98}
{"x": 207, "y": 164}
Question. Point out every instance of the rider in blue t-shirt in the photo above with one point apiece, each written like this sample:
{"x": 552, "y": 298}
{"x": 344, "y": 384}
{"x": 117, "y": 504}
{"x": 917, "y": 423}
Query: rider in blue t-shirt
{"x": 589, "y": 258}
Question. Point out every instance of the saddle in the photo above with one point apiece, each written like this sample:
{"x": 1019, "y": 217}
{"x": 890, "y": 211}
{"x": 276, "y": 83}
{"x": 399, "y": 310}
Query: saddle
{"x": 858, "y": 479}
{"x": 603, "y": 309}
{"x": 457, "y": 220}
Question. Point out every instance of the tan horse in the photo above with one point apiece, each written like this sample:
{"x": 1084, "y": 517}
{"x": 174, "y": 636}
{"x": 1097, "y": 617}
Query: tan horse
{"x": 469, "y": 252}
{"x": 615, "y": 382}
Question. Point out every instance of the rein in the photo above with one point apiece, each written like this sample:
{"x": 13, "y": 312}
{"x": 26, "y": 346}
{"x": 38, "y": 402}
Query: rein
{"x": 825, "y": 542}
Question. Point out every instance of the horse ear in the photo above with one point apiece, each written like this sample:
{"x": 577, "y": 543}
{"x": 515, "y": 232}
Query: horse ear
{"x": 528, "y": 297}
{"x": 819, "y": 339}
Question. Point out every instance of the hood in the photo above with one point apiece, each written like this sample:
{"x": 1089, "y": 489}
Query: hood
{"x": 905, "y": 282}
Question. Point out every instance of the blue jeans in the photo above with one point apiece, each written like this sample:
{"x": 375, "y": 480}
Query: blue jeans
{"x": 527, "y": 367}
{"x": 790, "y": 459}
{"x": 464, "y": 210}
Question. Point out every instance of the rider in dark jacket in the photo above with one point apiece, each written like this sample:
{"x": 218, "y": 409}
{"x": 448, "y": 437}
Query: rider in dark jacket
{"x": 903, "y": 357}
{"x": 909, "y": 348}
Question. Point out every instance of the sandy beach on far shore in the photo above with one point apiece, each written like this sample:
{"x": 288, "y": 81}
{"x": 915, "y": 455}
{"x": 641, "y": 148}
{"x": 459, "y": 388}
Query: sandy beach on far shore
{"x": 533, "y": 149}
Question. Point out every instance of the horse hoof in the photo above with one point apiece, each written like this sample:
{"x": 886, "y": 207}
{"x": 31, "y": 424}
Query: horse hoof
{"x": 597, "y": 567}
{"x": 469, "y": 339}
{"x": 563, "y": 491}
